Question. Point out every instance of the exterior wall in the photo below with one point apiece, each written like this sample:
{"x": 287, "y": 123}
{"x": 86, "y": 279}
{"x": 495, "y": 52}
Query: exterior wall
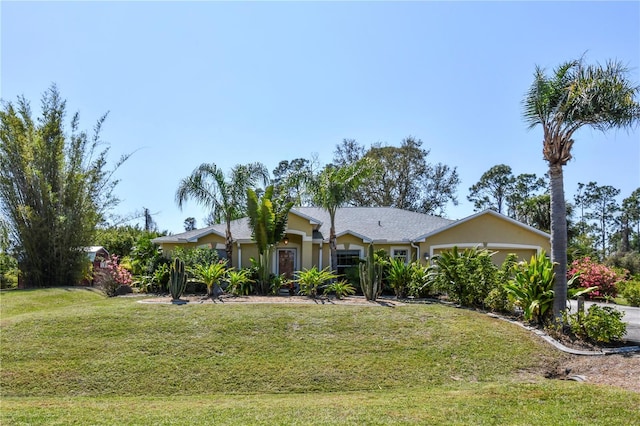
{"x": 247, "y": 252}
{"x": 315, "y": 253}
{"x": 300, "y": 224}
{"x": 500, "y": 255}
{"x": 491, "y": 232}
{"x": 486, "y": 230}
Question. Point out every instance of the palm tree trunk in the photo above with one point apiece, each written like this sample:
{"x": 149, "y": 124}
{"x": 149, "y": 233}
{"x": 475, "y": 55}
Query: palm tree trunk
{"x": 558, "y": 240}
{"x": 333, "y": 247}
{"x": 229, "y": 246}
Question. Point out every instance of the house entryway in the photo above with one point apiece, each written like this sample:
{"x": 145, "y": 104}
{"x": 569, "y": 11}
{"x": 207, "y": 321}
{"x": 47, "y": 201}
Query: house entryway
{"x": 287, "y": 262}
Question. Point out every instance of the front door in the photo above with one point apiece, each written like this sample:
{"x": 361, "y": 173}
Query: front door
{"x": 286, "y": 262}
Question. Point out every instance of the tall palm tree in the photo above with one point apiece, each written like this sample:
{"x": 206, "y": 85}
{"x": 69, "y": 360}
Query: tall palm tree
{"x": 573, "y": 96}
{"x": 226, "y": 197}
{"x": 268, "y": 221}
{"x": 333, "y": 188}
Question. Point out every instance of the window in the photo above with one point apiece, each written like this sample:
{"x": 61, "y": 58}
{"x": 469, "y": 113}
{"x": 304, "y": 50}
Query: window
{"x": 347, "y": 259}
{"x": 402, "y": 254}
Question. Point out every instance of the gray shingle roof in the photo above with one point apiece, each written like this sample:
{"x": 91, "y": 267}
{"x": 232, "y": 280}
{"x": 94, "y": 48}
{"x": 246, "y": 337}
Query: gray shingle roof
{"x": 372, "y": 223}
{"x": 377, "y": 223}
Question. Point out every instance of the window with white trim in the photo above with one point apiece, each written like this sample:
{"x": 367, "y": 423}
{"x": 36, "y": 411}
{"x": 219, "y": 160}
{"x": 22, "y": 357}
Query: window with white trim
{"x": 347, "y": 259}
{"x": 400, "y": 253}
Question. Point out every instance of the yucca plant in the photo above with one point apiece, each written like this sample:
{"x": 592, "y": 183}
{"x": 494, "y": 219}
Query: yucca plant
{"x": 211, "y": 275}
{"x": 240, "y": 282}
{"x": 310, "y": 279}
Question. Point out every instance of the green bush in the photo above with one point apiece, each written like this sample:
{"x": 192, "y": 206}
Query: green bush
{"x": 466, "y": 276}
{"x": 398, "y": 276}
{"x": 197, "y": 256}
{"x": 532, "y": 288}
{"x": 310, "y": 279}
{"x": 629, "y": 261}
{"x": 498, "y": 298}
{"x": 600, "y": 324}
{"x": 8, "y": 270}
{"x": 422, "y": 280}
{"x": 631, "y": 292}
{"x": 210, "y": 275}
{"x": 340, "y": 288}
{"x": 239, "y": 283}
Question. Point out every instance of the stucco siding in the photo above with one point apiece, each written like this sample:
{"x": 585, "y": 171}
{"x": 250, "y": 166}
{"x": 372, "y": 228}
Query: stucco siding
{"x": 298, "y": 223}
{"x": 491, "y": 232}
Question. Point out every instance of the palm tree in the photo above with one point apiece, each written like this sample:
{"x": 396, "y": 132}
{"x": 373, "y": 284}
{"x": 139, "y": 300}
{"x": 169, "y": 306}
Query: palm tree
{"x": 226, "y": 198}
{"x": 333, "y": 187}
{"x": 268, "y": 221}
{"x": 573, "y": 96}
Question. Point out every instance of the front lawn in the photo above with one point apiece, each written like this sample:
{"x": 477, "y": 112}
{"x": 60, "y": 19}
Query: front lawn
{"x": 71, "y": 356}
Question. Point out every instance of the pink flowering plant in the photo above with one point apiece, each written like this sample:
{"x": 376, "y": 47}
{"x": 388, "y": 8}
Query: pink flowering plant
{"x": 112, "y": 275}
{"x": 593, "y": 274}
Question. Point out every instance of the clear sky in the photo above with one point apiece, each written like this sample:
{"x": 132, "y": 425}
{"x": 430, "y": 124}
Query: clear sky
{"x": 238, "y": 82}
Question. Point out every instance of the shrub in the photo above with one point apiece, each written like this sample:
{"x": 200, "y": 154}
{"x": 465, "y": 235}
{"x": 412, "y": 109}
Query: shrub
{"x": 310, "y": 279}
{"x": 8, "y": 270}
{"x": 593, "y": 274}
{"x": 422, "y": 280}
{"x": 211, "y": 275}
{"x": 631, "y": 292}
{"x": 629, "y": 261}
{"x": 112, "y": 276}
{"x": 196, "y": 256}
{"x": 399, "y": 276}
{"x": 278, "y": 282}
{"x": 340, "y": 288}
{"x": 239, "y": 283}
{"x": 532, "y": 288}
{"x": 466, "y": 276}
{"x": 498, "y": 298}
{"x": 600, "y": 324}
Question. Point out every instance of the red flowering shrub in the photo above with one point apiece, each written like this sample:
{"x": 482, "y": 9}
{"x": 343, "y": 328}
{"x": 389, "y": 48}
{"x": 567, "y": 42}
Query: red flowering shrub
{"x": 595, "y": 274}
{"x": 112, "y": 275}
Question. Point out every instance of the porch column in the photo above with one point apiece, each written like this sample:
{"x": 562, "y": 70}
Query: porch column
{"x": 307, "y": 252}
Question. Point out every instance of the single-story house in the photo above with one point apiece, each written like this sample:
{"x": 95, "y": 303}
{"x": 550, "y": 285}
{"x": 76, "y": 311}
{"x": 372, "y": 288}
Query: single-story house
{"x": 401, "y": 233}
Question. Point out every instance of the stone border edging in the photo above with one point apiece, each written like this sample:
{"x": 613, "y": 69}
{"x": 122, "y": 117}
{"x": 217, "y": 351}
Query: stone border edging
{"x": 560, "y": 346}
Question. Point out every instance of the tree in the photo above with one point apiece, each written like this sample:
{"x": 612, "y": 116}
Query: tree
{"x": 493, "y": 188}
{"x": 401, "y": 177}
{"x": 121, "y": 240}
{"x": 573, "y": 96}
{"x": 149, "y": 223}
{"x": 631, "y": 217}
{"x": 189, "y": 224}
{"x": 603, "y": 207}
{"x": 226, "y": 197}
{"x": 535, "y": 211}
{"x": 525, "y": 194}
{"x": 332, "y": 188}
{"x": 291, "y": 178}
{"x": 55, "y": 187}
{"x": 268, "y": 222}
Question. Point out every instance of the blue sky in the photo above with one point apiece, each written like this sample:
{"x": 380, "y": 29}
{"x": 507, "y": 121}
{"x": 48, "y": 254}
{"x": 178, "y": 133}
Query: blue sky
{"x": 238, "y": 82}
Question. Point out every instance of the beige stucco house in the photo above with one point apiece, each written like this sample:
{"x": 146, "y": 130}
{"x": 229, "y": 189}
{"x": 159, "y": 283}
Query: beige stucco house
{"x": 401, "y": 233}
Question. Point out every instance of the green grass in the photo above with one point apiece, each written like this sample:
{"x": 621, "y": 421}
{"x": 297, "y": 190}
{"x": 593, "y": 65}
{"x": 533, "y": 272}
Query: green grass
{"x": 75, "y": 357}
